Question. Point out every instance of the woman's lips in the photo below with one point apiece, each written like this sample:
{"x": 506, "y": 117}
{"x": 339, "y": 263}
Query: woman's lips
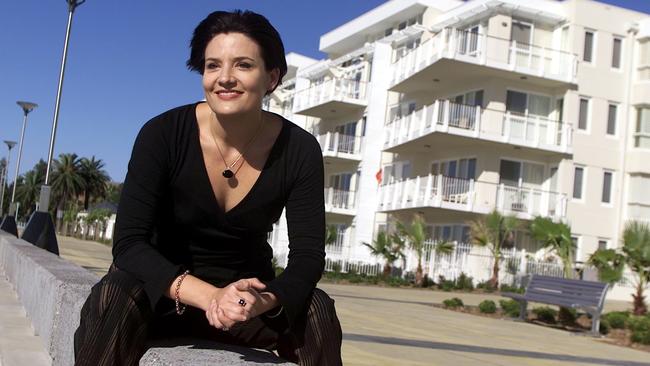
{"x": 228, "y": 95}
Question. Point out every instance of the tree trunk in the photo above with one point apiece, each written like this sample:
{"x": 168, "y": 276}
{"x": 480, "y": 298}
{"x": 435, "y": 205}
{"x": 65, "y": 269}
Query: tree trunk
{"x": 494, "y": 281}
{"x": 419, "y": 275}
{"x": 387, "y": 269}
{"x": 86, "y": 199}
{"x": 640, "y": 307}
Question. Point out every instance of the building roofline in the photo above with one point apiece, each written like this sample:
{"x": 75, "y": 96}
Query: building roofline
{"x": 376, "y": 15}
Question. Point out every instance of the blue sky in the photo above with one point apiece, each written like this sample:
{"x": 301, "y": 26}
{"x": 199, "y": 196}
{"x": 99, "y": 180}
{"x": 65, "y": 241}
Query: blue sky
{"x": 126, "y": 64}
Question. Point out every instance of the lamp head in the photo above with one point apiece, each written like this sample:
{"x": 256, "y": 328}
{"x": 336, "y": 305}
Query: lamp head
{"x": 10, "y": 144}
{"x": 27, "y": 106}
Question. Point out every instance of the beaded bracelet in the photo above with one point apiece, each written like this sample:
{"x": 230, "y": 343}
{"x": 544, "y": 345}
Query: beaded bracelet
{"x": 180, "y": 310}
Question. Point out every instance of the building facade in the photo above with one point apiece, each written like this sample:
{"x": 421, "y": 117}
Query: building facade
{"x": 451, "y": 109}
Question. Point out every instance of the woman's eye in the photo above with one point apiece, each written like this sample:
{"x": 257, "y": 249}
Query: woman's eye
{"x": 244, "y": 65}
{"x": 210, "y": 66}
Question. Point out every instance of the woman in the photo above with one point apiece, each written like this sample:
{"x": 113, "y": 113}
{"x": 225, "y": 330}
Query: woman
{"x": 205, "y": 184}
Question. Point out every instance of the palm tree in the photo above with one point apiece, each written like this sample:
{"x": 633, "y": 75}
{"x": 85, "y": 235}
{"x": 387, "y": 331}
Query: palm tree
{"x": 636, "y": 254}
{"x": 95, "y": 179}
{"x": 384, "y": 247}
{"x": 28, "y": 189}
{"x": 493, "y": 231}
{"x": 67, "y": 181}
{"x": 415, "y": 235}
{"x": 557, "y": 237}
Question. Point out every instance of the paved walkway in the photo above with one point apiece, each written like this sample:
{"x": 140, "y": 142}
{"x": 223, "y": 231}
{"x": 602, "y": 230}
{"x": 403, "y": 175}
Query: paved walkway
{"x": 389, "y": 326}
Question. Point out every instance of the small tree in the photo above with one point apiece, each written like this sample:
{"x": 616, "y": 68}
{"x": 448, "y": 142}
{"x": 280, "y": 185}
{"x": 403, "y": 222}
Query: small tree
{"x": 414, "y": 233}
{"x": 384, "y": 248}
{"x": 635, "y": 253}
{"x": 493, "y": 231}
{"x": 557, "y": 237}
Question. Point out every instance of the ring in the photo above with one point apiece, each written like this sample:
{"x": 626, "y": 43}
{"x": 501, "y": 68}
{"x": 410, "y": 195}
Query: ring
{"x": 242, "y": 302}
{"x": 225, "y": 329}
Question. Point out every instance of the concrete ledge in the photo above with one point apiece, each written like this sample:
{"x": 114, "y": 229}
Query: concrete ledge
{"x": 53, "y": 290}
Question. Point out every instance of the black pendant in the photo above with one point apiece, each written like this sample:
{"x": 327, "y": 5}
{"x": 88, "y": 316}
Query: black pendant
{"x": 228, "y": 173}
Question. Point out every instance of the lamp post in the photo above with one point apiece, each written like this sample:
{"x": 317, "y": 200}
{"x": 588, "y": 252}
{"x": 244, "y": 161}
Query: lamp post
{"x": 9, "y": 222}
{"x": 40, "y": 228}
{"x": 3, "y": 179}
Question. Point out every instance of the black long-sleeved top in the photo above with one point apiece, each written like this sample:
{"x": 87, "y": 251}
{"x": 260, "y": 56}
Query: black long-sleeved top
{"x": 169, "y": 220}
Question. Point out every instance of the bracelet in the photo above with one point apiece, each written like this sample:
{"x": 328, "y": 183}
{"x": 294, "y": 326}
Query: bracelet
{"x": 276, "y": 314}
{"x": 180, "y": 310}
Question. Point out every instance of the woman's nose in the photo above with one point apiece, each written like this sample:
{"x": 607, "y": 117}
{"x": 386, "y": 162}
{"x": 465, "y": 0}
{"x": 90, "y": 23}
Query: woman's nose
{"x": 226, "y": 76}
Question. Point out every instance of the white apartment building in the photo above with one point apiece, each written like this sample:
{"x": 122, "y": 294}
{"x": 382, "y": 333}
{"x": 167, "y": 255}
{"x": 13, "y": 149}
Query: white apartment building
{"x": 451, "y": 109}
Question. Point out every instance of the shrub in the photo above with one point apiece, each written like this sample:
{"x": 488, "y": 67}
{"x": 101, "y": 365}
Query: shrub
{"x": 545, "y": 314}
{"x": 336, "y": 267}
{"x": 510, "y": 307}
{"x": 640, "y": 327}
{"x": 445, "y": 284}
{"x": 507, "y": 288}
{"x": 396, "y": 281}
{"x": 453, "y": 303}
{"x": 567, "y": 316}
{"x": 487, "y": 307}
{"x": 617, "y": 319}
{"x": 484, "y": 285}
{"x": 604, "y": 326}
{"x": 464, "y": 282}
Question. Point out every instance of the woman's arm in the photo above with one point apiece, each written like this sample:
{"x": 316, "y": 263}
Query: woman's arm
{"x": 306, "y": 225}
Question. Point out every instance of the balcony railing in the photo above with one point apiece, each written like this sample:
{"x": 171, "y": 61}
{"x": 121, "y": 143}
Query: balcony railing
{"x": 337, "y": 144}
{"x": 471, "y": 196}
{"x": 330, "y": 90}
{"x": 473, "y": 121}
{"x": 492, "y": 51}
{"x": 642, "y": 139}
{"x": 340, "y": 201}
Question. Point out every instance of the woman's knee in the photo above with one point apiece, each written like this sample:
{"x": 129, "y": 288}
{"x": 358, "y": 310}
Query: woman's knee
{"x": 321, "y": 305}
{"x": 119, "y": 288}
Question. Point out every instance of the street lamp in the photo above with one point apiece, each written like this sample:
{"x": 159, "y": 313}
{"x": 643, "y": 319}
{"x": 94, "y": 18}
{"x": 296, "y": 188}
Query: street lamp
{"x": 9, "y": 222}
{"x": 3, "y": 179}
{"x": 40, "y": 228}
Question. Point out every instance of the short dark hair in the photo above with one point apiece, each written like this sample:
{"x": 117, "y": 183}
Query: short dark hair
{"x": 253, "y": 25}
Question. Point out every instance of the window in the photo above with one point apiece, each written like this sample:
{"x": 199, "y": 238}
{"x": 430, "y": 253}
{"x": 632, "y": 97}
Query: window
{"x": 522, "y": 34}
{"x": 602, "y": 244}
{"x": 396, "y": 172}
{"x": 388, "y": 32}
{"x": 518, "y": 174}
{"x": 607, "y": 187}
{"x": 588, "y": 51}
{"x": 611, "y": 119}
{"x": 401, "y": 25}
{"x": 400, "y": 110}
{"x": 462, "y": 168}
{"x": 578, "y": 182}
{"x": 642, "y": 135}
{"x": 583, "y": 116}
{"x": 616, "y": 53}
{"x": 406, "y": 47}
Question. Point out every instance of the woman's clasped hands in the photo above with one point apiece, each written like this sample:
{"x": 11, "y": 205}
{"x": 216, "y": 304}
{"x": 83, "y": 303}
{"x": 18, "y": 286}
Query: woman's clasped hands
{"x": 238, "y": 302}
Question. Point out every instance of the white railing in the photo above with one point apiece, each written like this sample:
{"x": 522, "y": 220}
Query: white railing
{"x": 482, "y": 49}
{"x": 347, "y": 266}
{"x": 530, "y": 201}
{"x": 473, "y": 121}
{"x": 336, "y": 248}
{"x": 535, "y": 131}
{"x": 330, "y": 90}
{"x": 427, "y": 191}
{"x": 339, "y": 199}
{"x": 337, "y": 143}
{"x": 642, "y": 139}
{"x": 471, "y": 196}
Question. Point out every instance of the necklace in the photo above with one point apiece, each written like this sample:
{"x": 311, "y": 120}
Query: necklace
{"x": 228, "y": 173}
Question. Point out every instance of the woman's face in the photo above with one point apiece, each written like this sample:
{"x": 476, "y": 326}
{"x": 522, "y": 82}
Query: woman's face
{"x": 235, "y": 78}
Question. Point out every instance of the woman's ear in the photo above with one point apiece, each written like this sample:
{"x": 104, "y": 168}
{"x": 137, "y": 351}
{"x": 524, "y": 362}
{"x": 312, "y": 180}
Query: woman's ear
{"x": 274, "y": 80}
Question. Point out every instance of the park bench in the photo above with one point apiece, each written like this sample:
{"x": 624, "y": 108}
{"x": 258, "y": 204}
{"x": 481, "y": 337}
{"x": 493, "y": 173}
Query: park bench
{"x": 53, "y": 290}
{"x": 588, "y": 296}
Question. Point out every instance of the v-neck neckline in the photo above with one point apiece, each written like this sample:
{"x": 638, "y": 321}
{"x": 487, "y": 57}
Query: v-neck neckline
{"x": 206, "y": 177}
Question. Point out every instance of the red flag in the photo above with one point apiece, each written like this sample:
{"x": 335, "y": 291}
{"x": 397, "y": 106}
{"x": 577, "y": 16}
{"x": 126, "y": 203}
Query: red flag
{"x": 379, "y": 176}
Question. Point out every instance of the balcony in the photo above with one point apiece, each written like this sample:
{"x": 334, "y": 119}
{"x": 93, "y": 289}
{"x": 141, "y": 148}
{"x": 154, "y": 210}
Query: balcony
{"x": 340, "y": 202}
{"x": 331, "y": 98}
{"x": 467, "y": 195}
{"x": 454, "y": 55}
{"x": 340, "y": 147}
{"x": 466, "y": 121}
